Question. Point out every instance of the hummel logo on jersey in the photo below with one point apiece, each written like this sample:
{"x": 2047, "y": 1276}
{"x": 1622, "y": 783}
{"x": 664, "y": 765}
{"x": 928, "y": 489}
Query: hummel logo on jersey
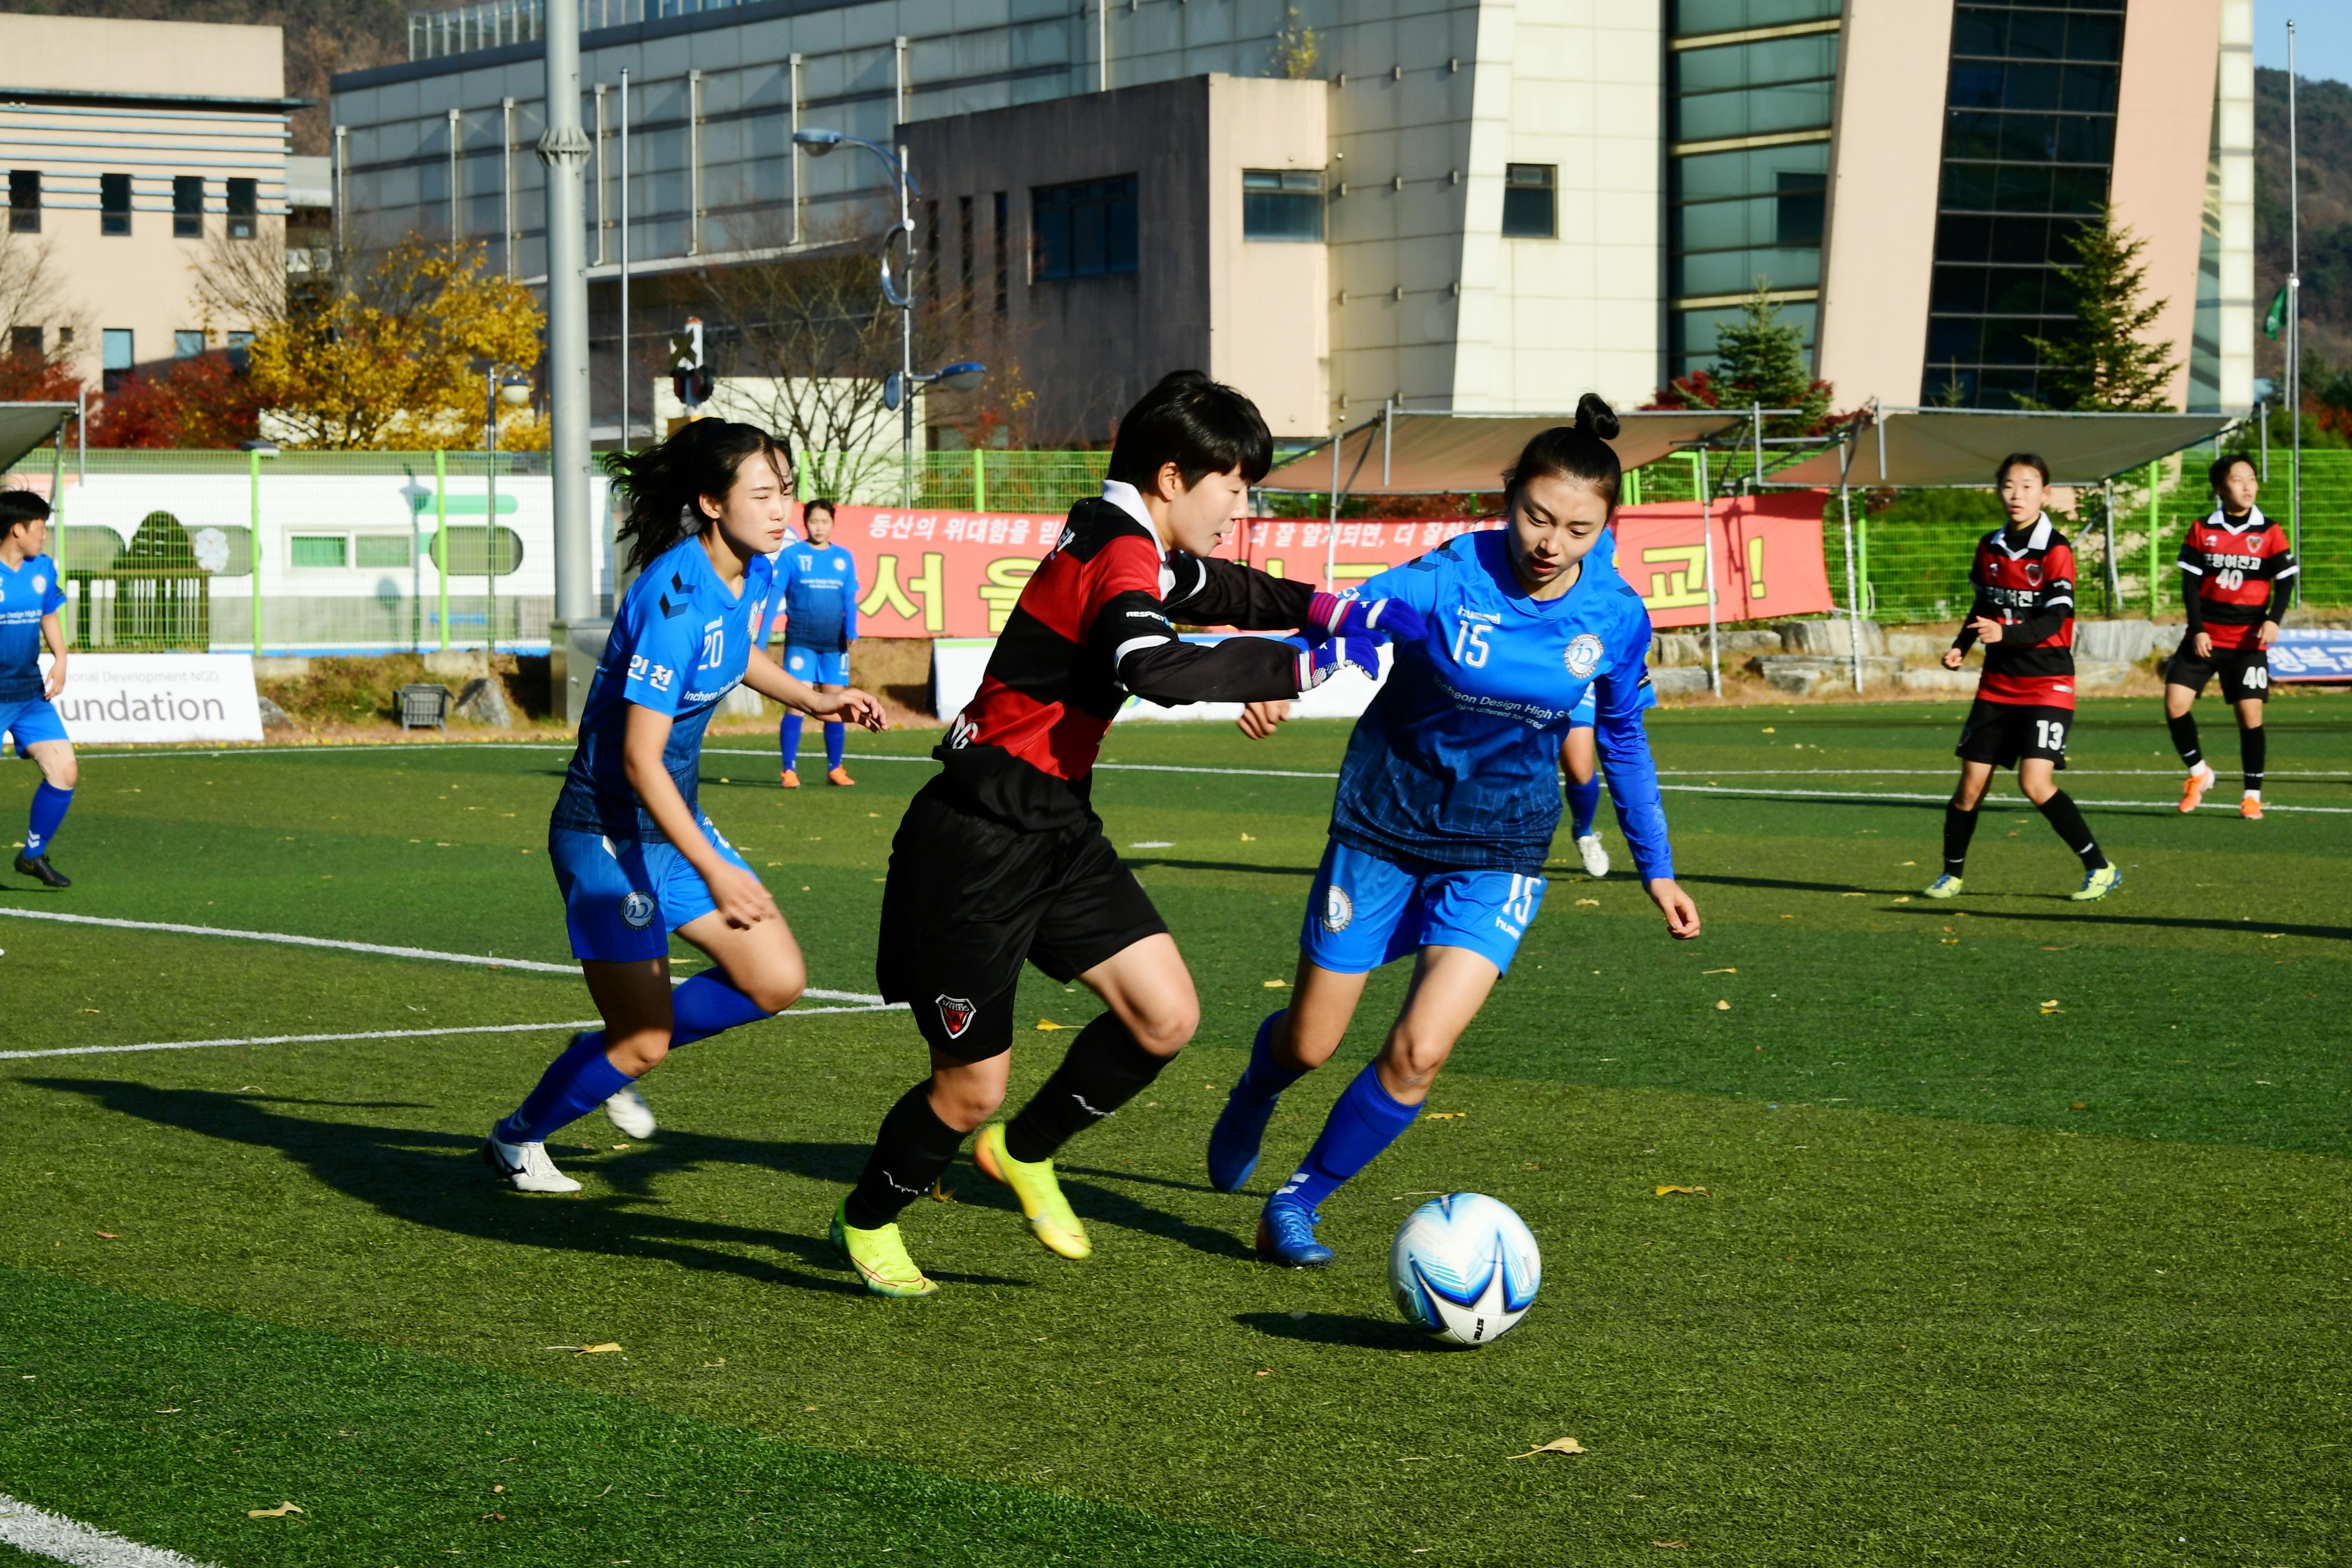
{"x": 957, "y": 1015}
{"x": 961, "y": 733}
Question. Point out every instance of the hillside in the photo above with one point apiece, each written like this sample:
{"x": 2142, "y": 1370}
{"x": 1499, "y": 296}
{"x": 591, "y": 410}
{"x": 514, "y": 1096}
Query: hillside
{"x": 322, "y": 36}
{"x": 2323, "y": 148}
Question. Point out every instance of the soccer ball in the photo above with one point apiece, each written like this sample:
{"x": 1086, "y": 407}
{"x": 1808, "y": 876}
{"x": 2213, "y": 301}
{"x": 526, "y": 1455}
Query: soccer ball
{"x": 1464, "y": 1268}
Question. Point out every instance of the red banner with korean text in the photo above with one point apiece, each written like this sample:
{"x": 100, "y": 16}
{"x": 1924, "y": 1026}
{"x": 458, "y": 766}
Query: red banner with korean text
{"x": 949, "y": 573}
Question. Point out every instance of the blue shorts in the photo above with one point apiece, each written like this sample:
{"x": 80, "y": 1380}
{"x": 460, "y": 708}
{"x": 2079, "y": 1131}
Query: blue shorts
{"x": 817, "y": 666}
{"x": 1584, "y": 715}
{"x": 30, "y": 722}
{"x": 1365, "y": 911}
{"x": 623, "y": 897}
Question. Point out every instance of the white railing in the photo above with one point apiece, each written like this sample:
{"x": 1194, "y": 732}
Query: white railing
{"x": 490, "y": 23}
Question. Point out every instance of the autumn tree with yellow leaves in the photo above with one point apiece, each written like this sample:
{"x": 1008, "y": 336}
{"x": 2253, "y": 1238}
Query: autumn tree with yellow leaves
{"x": 390, "y": 357}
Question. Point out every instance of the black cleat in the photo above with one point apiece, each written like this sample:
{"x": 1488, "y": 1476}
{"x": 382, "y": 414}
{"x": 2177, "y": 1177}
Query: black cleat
{"x": 37, "y": 867}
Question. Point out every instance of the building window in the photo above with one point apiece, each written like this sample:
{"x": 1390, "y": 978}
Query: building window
{"x": 116, "y": 355}
{"x": 244, "y": 206}
{"x": 1282, "y": 204}
{"x": 319, "y": 550}
{"x": 2029, "y": 141}
{"x": 963, "y": 246}
{"x": 24, "y": 343}
{"x": 1084, "y": 230}
{"x": 188, "y": 208}
{"x": 24, "y": 201}
{"x": 114, "y": 204}
{"x": 1741, "y": 216}
{"x": 1001, "y": 215}
{"x": 376, "y": 551}
{"x": 187, "y": 344}
{"x": 1530, "y": 201}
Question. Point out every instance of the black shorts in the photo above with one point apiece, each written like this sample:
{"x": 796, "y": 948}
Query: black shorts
{"x": 2244, "y": 671}
{"x": 969, "y": 899}
{"x": 2003, "y": 733}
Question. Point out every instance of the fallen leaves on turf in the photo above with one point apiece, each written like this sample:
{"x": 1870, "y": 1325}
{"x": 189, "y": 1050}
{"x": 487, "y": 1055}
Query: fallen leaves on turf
{"x": 586, "y": 1349}
{"x": 1557, "y": 1446}
{"x": 1594, "y": 902}
{"x": 1733, "y": 971}
{"x": 1444, "y": 1115}
{"x": 1277, "y": 984}
{"x": 1722, "y": 1006}
{"x": 281, "y": 1511}
{"x": 1666, "y": 1543}
{"x": 1693, "y": 1192}
{"x": 1049, "y": 1024}
{"x": 110, "y": 1235}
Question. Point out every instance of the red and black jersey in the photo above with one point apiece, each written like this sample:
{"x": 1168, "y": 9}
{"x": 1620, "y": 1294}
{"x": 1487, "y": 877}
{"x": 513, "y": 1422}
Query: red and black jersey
{"x": 2237, "y": 574}
{"x": 2026, "y": 581}
{"x": 1092, "y": 624}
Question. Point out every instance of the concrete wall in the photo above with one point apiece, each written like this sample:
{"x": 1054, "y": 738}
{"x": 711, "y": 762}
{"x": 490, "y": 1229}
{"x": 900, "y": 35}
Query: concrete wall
{"x": 2233, "y": 114}
{"x": 141, "y": 281}
{"x": 1269, "y": 322}
{"x": 2164, "y": 129}
{"x": 1886, "y": 158}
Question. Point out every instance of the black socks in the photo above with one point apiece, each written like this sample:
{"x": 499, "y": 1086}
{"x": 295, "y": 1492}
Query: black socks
{"x": 2254, "y": 750}
{"x": 913, "y": 1150}
{"x": 1104, "y": 1069}
{"x": 2067, "y": 817}
{"x": 1959, "y": 826}
{"x": 2184, "y": 740}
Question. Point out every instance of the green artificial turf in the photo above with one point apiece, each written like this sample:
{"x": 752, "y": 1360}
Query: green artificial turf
{"x": 1975, "y": 1279}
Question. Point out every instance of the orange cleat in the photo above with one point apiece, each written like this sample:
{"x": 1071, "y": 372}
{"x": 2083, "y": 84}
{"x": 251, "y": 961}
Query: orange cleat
{"x": 791, "y": 780}
{"x": 2251, "y": 808}
{"x": 839, "y": 776}
{"x": 2192, "y": 790}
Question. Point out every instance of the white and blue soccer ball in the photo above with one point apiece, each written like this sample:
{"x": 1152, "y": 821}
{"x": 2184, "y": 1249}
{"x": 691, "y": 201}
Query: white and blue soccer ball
{"x": 1464, "y": 1268}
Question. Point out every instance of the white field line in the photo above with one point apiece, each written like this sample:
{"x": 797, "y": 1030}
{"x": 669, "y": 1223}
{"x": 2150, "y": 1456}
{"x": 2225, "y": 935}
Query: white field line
{"x": 64, "y": 1540}
{"x": 289, "y": 939}
{"x": 370, "y": 1035}
{"x": 1989, "y": 800}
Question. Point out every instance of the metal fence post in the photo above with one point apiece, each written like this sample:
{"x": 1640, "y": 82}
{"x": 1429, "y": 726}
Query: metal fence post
{"x": 253, "y": 470}
{"x": 441, "y": 536}
{"x": 978, "y": 480}
{"x": 2155, "y": 527}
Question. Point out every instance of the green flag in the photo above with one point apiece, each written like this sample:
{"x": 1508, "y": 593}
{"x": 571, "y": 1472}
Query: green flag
{"x": 2274, "y": 320}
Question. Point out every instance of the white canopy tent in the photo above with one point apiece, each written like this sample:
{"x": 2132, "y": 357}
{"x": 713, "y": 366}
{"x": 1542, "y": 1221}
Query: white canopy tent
{"x": 25, "y": 426}
{"x": 1425, "y": 452}
{"x": 1957, "y": 448}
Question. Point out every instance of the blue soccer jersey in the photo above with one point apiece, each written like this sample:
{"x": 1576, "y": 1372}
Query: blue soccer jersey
{"x": 818, "y": 585}
{"x": 1455, "y": 762}
{"x": 679, "y": 643}
{"x": 26, "y": 594}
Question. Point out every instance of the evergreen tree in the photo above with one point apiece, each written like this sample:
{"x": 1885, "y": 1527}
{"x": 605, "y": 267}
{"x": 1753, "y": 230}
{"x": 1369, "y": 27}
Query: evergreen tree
{"x": 1759, "y": 358}
{"x": 2102, "y": 362}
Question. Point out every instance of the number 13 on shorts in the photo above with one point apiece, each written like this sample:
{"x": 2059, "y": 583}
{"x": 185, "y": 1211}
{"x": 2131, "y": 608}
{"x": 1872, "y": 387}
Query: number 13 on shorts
{"x": 2050, "y": 734}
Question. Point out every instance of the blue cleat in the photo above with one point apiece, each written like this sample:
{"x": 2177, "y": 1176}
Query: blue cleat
{"x": 1286, "y": 1234}
{"x": 1234, "y": 1140}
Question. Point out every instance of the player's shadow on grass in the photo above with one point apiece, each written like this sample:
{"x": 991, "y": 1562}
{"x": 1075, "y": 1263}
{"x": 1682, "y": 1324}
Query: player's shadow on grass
{"x": 1778, "y": 884}
{"x": 2175, "y": 923}
{"x": 1338, "y": 1329}
{"x": 1092, "y": 1200}
{"x": 1220, "y": 866}
{"x": 434, "y": 1178}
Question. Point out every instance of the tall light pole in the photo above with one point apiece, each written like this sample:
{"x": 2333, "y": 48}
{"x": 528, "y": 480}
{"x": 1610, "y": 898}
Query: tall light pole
{"x": 819, "y": 143}
{"x": 563, "y": 148}
{"x": 2294, "y": 316}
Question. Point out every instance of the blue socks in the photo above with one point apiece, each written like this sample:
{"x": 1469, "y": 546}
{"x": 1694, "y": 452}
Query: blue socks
{"x": 1265, "y": 1078}
{"x": 1365, "y": 1122}
{"x": 836, "y": 739}
{"x": 49, "y": 804}
{"x": 1583, "y": 800}
{"x": 704, "y": 1005}
{"x": 788, "y": 739}
{"x": 574, "y": 1084}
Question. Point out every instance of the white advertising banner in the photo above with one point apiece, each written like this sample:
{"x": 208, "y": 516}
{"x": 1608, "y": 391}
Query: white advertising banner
{"x": 958, "y": 663}
{"x": 118, "y": 697}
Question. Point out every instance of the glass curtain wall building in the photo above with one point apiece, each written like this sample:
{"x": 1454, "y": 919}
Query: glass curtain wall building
{"x": 1751, "y": 86}
{"x": 2029, "y": 147}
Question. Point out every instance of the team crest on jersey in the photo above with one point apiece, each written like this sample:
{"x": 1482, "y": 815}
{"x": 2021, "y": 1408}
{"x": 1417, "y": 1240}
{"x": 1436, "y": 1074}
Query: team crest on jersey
{"x": 1339, "y": 909}
{"x": 2032, "y": 570}
{"x": 637, "y": 910}
{"x": 956, "y": 1014}
{"x": 1583, "y": 655}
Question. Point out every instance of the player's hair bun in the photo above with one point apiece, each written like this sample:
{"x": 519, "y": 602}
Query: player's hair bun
{"x": 1594, "y": 417}
{"x": 1580, "y": 451}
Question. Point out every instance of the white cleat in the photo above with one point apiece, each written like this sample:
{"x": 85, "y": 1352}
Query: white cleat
{"x": 1595, "y": 855}
{"x": 630, "y": 1112}
{"x": 525, "y": 1167}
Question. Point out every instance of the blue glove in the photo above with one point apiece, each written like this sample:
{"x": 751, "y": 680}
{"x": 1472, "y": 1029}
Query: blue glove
{"x": 1319, "y": 661}
{"x": 1329, "y": 615}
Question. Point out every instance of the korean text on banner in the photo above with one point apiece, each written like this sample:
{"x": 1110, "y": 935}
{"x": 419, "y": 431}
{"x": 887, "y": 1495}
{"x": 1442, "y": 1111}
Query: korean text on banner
{"x": 114, "y": 698}
{"x": 957, "y": 574}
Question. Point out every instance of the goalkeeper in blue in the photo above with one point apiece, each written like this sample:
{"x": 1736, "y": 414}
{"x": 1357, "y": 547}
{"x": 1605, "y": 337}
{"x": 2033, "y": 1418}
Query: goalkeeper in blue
{"x": 1447, "y": 807}
{"x": 635, "y": 858}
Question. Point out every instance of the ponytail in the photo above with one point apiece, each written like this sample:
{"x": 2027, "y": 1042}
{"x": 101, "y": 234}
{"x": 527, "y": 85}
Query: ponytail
{"x": 664, "y": 482}
{"x": 1580, "y": 452}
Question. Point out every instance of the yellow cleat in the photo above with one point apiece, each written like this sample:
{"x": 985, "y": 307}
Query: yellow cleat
{"x": 1040, "y": 1194}
{"x": 879, "y": 1257}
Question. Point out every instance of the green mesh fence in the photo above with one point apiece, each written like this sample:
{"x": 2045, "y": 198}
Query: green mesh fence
{"x": 977, "y": 480}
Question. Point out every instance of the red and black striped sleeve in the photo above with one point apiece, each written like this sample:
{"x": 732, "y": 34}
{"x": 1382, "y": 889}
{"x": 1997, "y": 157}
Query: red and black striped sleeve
{"x": 1134, "y": 631}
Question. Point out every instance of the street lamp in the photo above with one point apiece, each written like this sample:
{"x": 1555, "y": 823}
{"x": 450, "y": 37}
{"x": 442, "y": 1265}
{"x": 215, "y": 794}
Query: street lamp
{"x": 962, "y": 376}
{"x": 512, "y": 389}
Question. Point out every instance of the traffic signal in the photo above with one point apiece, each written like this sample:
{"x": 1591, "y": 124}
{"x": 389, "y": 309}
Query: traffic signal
{"x": 690, "y": 377}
